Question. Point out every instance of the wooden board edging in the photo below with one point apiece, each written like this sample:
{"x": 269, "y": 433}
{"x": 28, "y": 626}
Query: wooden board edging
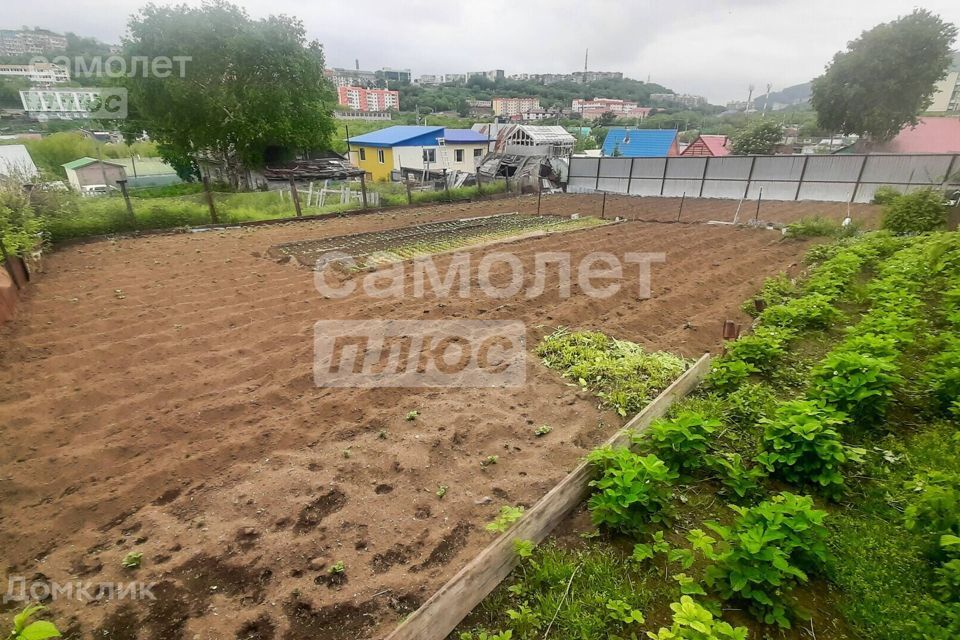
{"x": 446, "y": 608}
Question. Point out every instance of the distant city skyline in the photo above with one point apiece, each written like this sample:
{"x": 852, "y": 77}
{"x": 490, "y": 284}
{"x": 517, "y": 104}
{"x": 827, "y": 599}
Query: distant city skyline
{"x": 710, "y": 48}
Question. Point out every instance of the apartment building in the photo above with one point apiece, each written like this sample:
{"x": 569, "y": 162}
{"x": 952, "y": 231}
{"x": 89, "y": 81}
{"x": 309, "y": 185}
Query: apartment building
{"x": 682, "y": 99}
{"x": 363, "y": 99}
{"x": 351, "y": 77}
{"x": 514, "y": 106}
{"x": 30, "y": 41}
{"x": 946, "y": 96}
{"x": 493, "y": 75}
{"x": 41, "y": 73}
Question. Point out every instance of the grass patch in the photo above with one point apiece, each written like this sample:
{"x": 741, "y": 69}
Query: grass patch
{"x": 621, "y": 373}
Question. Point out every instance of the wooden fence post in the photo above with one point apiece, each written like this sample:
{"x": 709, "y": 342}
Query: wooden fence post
{"x": 363, "y": 188}
{"x": 213, "y": 209}
{"x": 126, "y": 198}
{"x": 295, "y": 196}
{"x": 409, "y": 191}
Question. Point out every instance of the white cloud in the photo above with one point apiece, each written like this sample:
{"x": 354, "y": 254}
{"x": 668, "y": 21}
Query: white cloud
{"x": 714, "y": 48}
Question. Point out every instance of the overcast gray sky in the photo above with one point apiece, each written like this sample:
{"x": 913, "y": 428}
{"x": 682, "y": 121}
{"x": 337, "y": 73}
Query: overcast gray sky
{"x": 709, "y": 47}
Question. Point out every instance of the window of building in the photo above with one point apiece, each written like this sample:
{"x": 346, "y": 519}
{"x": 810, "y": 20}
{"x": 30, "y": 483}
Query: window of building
{"x": 458, "y": 155}
{"x": 363, "y": 155}
{"x": 477, "y": 152}
{"x": 429, "y": 155}
{"x": 380, "y": 156}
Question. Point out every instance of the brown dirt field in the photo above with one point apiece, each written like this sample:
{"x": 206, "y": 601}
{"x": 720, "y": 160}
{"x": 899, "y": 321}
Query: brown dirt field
{"x": 179, "y": 418}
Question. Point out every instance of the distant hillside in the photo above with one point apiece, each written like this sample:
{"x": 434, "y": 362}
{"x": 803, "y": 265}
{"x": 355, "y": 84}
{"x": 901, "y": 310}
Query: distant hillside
{"x": 797, "y": 94}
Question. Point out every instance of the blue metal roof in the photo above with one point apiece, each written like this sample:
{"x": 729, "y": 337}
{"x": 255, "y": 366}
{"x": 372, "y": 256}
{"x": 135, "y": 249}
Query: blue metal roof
{"x": 462, "y": 136}
{"x": 399, "y": 136}
{"x": 639, "y": 143}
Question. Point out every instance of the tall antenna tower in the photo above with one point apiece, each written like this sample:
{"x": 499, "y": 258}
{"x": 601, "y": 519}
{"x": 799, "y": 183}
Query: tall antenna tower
{"x": 750, "y": 98}
{"x": 766, "y": 99}
{"x": 356, "y": 61}
{"x": 586, "y": 55}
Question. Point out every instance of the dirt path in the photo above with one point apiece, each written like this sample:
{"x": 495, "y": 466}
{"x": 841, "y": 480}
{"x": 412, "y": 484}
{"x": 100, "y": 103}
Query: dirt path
{"x": 157, "y": 396}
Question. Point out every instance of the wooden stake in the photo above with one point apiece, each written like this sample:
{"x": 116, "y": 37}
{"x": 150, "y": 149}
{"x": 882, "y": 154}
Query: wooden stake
{"x": 126, "y": 198}
{"x": 295, "y": 196}
{"x": 409, "y": 192}
{"x": 440, "y": 615}
{"x": 363, "y": 188}
{"x": 213, "y": 209}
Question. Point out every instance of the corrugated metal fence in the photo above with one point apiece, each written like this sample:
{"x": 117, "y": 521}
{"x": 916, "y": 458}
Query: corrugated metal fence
{"x": 834, "y": 178}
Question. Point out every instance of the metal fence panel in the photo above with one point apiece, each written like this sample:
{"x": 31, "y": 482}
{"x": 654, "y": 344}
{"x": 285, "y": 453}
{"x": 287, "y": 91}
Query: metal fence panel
{"x": 840, "y": 178}
{"x": 729, "y": 168}
{"x": 779, "y": 168}
{"x": 645, "y": 186}
{"x": 686, "y": 167}
{"x": 833, "y": 168}
{"x": 677, "y": 188}
{"x": 724, "y": 188}
{"x": 649, "y": 167}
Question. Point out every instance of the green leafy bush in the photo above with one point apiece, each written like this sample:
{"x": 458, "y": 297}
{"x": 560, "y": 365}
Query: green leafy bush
{"x": 20, "y": 226}
{"x": 812, "y": 311}
{"x": 918, "y": 212}
{"x": 726, "y": 374}
{"x": 747, "y": 405}
{"x": 762, "y": 349}
{"x": 632, "y": 490}
{"x": 935, "y": 506}
{"x": 768, "y": 550}
{"x": 691, "y": 621}
{"x": 801, "y": 446}
{"x": 856, "y": 384}
{"x": 622, "y": 373}
{"x": 738, "y": 479}
{"x": 775, "y": 290}
{"x": 681, "y": 442}
{"x": 815, "y": 227}
{"x": 942, "y": 376}
{"x": 885, "y": 195}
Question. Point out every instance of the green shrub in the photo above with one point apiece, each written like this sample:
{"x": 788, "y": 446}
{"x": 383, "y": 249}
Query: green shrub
{"x": 691, "y": 621}
{"x": 761, "y": 349}
{"x": 768, "y": 550}
{"x": 739, "y": 480}
{"x": 935, "y": 505}
{"x": 727, "y": 374}
{"x": 856, "y": 384}
{"x": 681, "y": 442}
{"x": 749, "y": 404}
{"x": 775, "y": 290}
{"x": 947, "y": 582}
{"x": 632, "y": 491}
{"x": 883, "y": 346}
{"x": 885, "y": 195}
{"x": 942, "y": 376}
{"x": 814, "y": 227}
{"x": 918, "y": 212}
{"x": 812, "y": 311}
{"x": 801, "y": 446}
{"x": 20, "y": 226}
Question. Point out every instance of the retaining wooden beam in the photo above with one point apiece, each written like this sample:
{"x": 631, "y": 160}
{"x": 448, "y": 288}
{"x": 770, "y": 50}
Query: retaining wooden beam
{"x": 441, "y": 614}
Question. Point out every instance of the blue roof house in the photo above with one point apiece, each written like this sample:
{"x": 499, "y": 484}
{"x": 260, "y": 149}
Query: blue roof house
{"x": 385, "y": 153}
{"x": 641, "y": 143}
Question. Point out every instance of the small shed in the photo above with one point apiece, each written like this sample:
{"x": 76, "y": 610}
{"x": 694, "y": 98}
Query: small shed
{"x": 526, "y": 140}
{"x": 15, "y": 161}
{"x": 83, "y": 173}
{"x": 710, "y": 146}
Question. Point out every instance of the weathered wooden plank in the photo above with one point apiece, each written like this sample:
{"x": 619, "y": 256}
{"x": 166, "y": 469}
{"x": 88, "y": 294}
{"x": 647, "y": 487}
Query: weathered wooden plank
{"x": 440, "y": 615}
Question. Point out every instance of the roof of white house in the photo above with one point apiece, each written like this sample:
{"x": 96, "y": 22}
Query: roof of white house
{"x": 548, "y": 135}
{"x": 16, "y": 160}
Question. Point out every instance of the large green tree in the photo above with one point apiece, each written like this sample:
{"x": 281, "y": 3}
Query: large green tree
{"x": 252, "y": 91}
{"x": 758, "y": 138}
{"x": 885, "y": 78}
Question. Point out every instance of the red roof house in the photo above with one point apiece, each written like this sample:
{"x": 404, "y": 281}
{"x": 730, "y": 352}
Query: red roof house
{"x": 709, "y": 146}
{"x": 931, "y": 135}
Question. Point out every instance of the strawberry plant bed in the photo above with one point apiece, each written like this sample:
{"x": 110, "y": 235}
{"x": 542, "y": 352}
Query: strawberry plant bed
{"x": 809, "y": 489}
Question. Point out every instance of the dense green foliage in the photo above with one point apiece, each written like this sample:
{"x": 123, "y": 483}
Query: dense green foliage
{"x": 253, "y": 92}
{"x": 624, "y": 375}
{"x": 856, "y": 93}
{"x": 917, "y": 212}
{"x": 632, "y": 492}
{"x": 759, "y": 138}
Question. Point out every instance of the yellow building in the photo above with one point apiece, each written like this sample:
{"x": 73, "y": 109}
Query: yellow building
{"x": 385, "y": 153}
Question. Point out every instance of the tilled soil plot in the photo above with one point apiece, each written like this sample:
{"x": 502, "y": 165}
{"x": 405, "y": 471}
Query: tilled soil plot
{"x": 158, "y": 397}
